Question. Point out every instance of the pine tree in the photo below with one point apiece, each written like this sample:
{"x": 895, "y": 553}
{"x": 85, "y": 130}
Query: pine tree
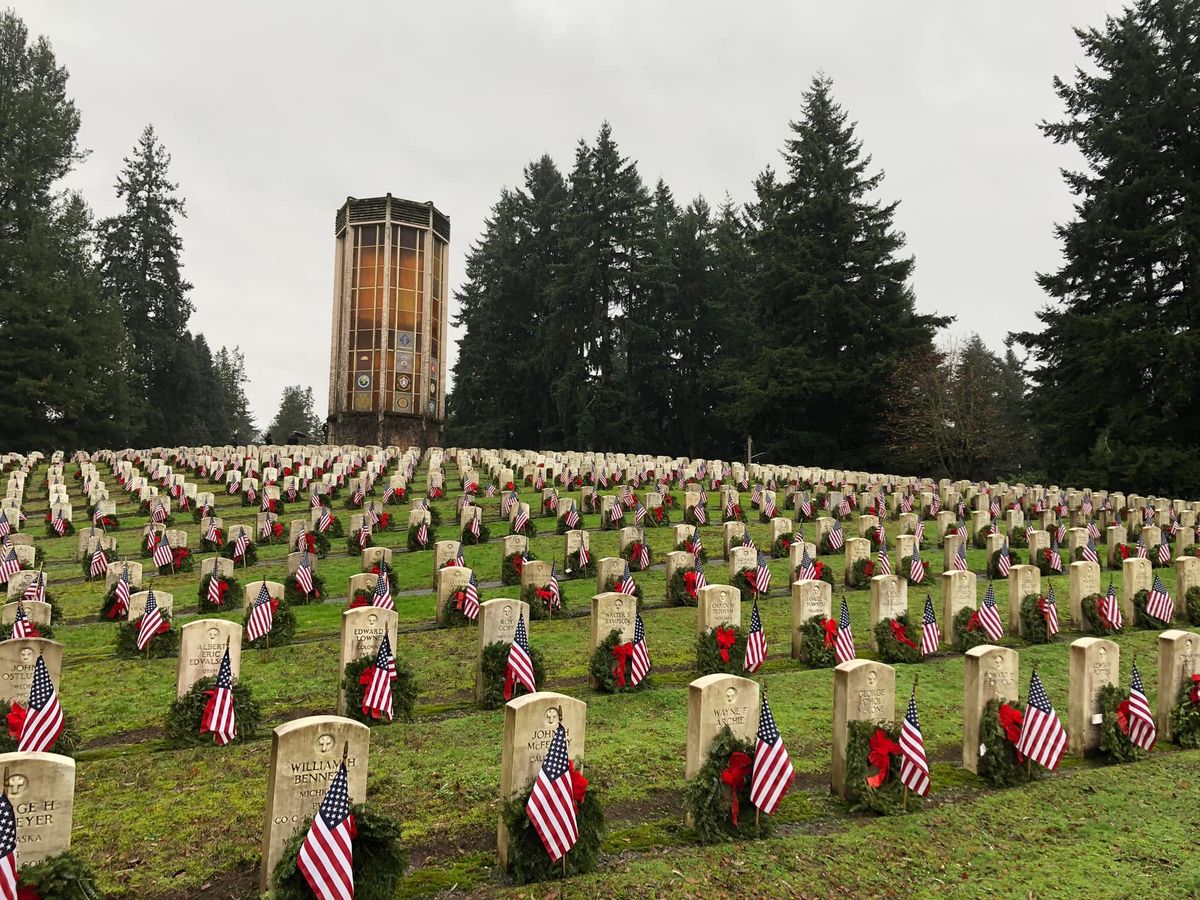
{"x": 296, "y": 413}
{"x": 230, "y": 366}
{"x": 832, "y": 309}
{"x": 140, "y": 267}
{"x": 1118, "y": 359}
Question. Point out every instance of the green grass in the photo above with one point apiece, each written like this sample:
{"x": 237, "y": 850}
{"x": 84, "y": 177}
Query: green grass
{"x": 154, "y": 821}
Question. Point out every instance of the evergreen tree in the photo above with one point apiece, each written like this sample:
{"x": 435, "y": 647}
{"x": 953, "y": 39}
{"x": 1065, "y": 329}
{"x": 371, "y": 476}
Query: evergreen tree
{"x": 1118, "y": 359}
{"x": 230, "y": 366}
{"x": 296, "y": 413}
{"x": 832, "y": 310}
{"x": 140, "y": 267}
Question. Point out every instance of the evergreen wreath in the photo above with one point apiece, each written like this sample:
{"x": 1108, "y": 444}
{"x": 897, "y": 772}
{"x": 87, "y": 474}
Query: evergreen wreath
{"x": 825, "y": 546}
{"x": 709, "y": 646}
{"x": 404, "y": 690}
{"x": 493, "y": 665}
{"x": 1014, "y": 559}
{"x": 736, "y": 514}
{"x": 295, "y": 597}
{"x": 283, "y": 627}
{"x": 824, "y": 572}
{"x": 572, "y": 569}
{"x": 873, "y": 536}
{"x": 413, "y": 545}
{"x": 51, "y": 533}
{"x": 746, "y": 580}
{"x": 67, "y": 743}
{"x": 337, "y": 529}
{"x": 160, "y": 646}
{"x": 627, "y": 554}
{"x": 1000, "y": 765}
{"x": 610, "y": 586}
{"x": 979, "y": 541}
{"x": 182, "y": 725}
{"x": 510, "y": 569}
{"x": 1141, "y": 618}
{"x": 452, "y": 610}
{"x": 110, "y": 601}
{"x": 249, "y": 559}
{"x": 906, "y": 570}
{"x": 527, "y": 855}
{"x": 603, "y": 665}
{"x": 860, "y": 573}
{"x": 681, "y": 586}
{"x": 658, "y": 516}
{"x": 783, "y": 545}
{"x": 1017, "y": 538}
{"x": 869, "y": 785}
{"x": 109, "y": 555}
{"x": 62, "y": 877}
{"x": 709, "y": 797}
{"x": 537, "y": 596}
{"x": 689, "y": 517}
{"x": 968, "y": 630}
{"x": 1042, "y": 561}
{"x": 1114, "y": 728}
{"x": 42, "y": 631}
{"x": 1185, "y": 714}
{"x": 230, "y": 588}
{"x": 1191, "y": 604}
{"x": 354, "y": 548}
{"x": 683, "y": 547}
{"x": 182, "y": 561}
{"x": 467, "y": 539}
{"x": 530, "y": 530}
{"x": 1122, "y": 552}
{"x": 1033, "y": 623}
{"x": 891, "y": 648}
{"x": 817, "y": 642}
{"x": 1090, "y": 609}
{"x": 379, "y": 861}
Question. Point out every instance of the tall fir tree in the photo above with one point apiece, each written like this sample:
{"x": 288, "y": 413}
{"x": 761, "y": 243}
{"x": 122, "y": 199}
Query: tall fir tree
{"x": 832, "y": 311}
{"x": 140, "y": 267}
{"x": 297, "y": 412}
{"x": 230, "y": 369}
{"x": 1117, "y": 363}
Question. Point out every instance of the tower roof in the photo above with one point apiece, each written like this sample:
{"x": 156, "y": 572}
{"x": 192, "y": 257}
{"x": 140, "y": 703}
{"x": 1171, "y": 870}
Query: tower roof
{"x": 392, "y": 209}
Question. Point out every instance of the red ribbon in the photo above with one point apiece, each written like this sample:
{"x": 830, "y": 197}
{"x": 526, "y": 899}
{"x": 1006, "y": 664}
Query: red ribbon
{"x": 621, "y": 653}
{"x": 518, "y": 563}
{"x": 16, "y": 721}
{"x": 579, "y": 785}
{"x": 1011, "y": 720}
{"x": 459, "y": 597}
{"x": 831, "y": 627}
{"x": 725, "y": 639}
{"x": 881, "y": 749}
{"x": 1194, "y": 696}
{"x": 973, "y": 623}
{"x": 899, "y": 634}
{"x": 734, "y": 775}
{"x": 1123, "y": 716}
{"x": 277, "y": 529}
{"x": 689, "y": 583}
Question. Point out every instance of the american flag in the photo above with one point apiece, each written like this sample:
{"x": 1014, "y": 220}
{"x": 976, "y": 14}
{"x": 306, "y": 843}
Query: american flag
{"x": 211, "y": 534}
{"x": 490, "y": 491}
{"x": 1159, "y": 603}
{"x": 989, "y": 615}
{"x": 262, "y": 616}
{"x": 1049, "y": 609}
{"x": 808, "y": 569}
{"x": 5, "y": 525}
{"x": 755, "y": 496}
{"x": 377, "y": 699}
{"x": 756, "y": 642}
{"x": 358, "y": 495}
{"x": 616, "y": 513}
{"x": 762, "y": 575}
{"x": 994, "y": 507}
{"x": 373, "y": 514}
{"x": 162, "y": 552}
{"x": 625, "y": 584}
{"x": 314, "y": 500}
{"x": 916, "y": 568}
{"x": 326, "y": 856}
{"x": 1141, "y": 548}
{"x": 1090, "y": 553}
{"x": 844, "y": 644}
{"x": 1110, "y": 609}
{"x": 1164, "y": 552}
{"x": 914, "y": 768}
{"x": 59, "y": 524}
{"x": 21, "y": 627}
{"x": 123, "y": 593}
{"x": 769, "y": 505}
{"x": 388, "y": 493}
{"x": 554, "y": 589}
{"x": 8, "y": 848}
{"x": 919, "y": 533}
{"x": 551, "y": 806}
{"x": 265, "y": 505}
{"x": 1054, "y": 558}
{"x": 1142, "y": 730}
{"x": 1060, "y": 533}
{"x": 219, "y": 717}
{"x": 935, "y": 505}
{"x": 700, "y": 513}
{"x": 931, "y": 635}
{"x": 44, "y": 718}
{"x": 836, "y": 538}
{"x": 522, "y": 519}
{"x": 520, "y": 664}
{"x": 324, "y": 520}
{"x": 506, "y": 501}
{"x": 364, "y": 533}
{"x": 475, "y": 526}
{"x": 241, "y": 545}
{"x": 470, "y": 607}
{"x": 36, "y": 589}
{"x": 1043, "y": 738}
{"x": 304, "y": 575}
{"x": 701, "y": 580}
{"x": 639, "y": 659}
{"x": 572, "y": 518}
{"x": 806, "y": 509}
{"x": 382, "y": 596}
{"x": 152, "y": 623}
{"x": 639, "y": 513}
{"x": 960, "y": 557}
{"x": 583, "y": 556}
{"x": 1004, "y": 561}
{"x": 697, "y": 543}
{"x": 773, "y": 772}
{"x": 642, "y": 555}
{"x": 747, "y": 541}
{"x": 884, "y": 566}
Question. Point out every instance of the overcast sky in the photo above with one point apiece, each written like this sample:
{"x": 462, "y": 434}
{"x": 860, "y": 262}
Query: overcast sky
{"x": 275, "y": 111}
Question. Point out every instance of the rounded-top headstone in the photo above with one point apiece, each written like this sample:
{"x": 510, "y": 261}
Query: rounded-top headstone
{"x": 714, "y": 702}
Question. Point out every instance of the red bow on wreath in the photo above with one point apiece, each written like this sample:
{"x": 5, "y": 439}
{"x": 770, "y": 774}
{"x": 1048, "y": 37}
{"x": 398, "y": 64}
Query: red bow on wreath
{"x": 831, "y": 627}
{"x": 621, "y": 653}
{"x": 277, "y": 529}
{"x": 16, "y": 721}
{"x": 1123, "y": 716}
{"x": 1011, "y": 720}
{"x": 881, "y": 750}
{"x": 518, "y": 563}
{"x": 26, "y": 893}
{"x": 899, "y": 634}
{"x": 180, "y": 554}
{"x": 689, "y": 583}
{"x": 545, "y": 595}
{"x": 820, "y": 569}
{"x": 310, "y": 542}
{"x": 1194, "y": 696}
{"x": 579, "y": 785}
{"x": 385, "y": 520}
{"x": 734, "y": 775}
{"x": 973, "y": 623}
{"x": 459, "y": 597}
{"x": 725, "y": 639}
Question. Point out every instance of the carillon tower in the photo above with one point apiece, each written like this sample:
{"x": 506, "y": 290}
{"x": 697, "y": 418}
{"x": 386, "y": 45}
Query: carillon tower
{"x": 387, "y": 368}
